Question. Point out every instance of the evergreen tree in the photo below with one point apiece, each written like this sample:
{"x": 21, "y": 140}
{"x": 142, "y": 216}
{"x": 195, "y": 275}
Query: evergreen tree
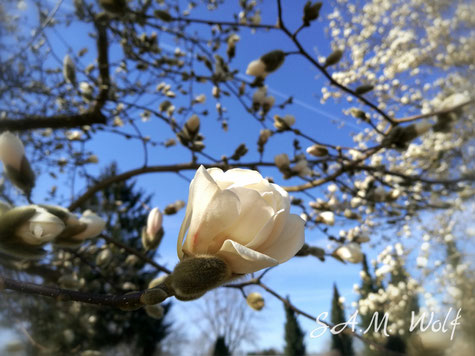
{"x": 294, "y": 336}
{"x": 341, "y": 342}
{"x": 220, "y": 347}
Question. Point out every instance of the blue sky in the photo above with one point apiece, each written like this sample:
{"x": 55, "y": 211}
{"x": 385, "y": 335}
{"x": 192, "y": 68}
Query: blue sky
{"x": 307, "y": 280}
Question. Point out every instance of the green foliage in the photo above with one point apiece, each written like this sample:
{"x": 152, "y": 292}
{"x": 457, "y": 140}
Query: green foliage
{"x": 341, "y": 342}
{"x": 294, "y": 336}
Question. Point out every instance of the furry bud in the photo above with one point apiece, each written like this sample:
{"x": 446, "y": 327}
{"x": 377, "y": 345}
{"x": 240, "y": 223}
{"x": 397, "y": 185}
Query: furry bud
{"x": 333, "y": 58}
{"x": 194, "y": 276}
{"x": 154, "y": 311}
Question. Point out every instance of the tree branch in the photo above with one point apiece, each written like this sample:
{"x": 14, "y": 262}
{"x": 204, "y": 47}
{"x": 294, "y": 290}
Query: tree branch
{"x": 53, "y": 122}
{"x": 129, "y": 301}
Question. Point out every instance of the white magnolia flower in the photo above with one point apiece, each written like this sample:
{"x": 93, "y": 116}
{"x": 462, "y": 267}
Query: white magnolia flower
{"x": 11, "y": 150}
{"x": 41, "y": 228}
{"x": 154, "y": 221}
{"x": 94, "y": 224}
{"x": 241, "y": 218}
{"x": 350, "y": 253}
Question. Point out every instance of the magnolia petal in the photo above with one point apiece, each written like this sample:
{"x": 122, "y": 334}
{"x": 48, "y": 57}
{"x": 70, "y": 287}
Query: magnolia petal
{"x": 243, "y": 260}
{"x": 290, "y": 240}
{"x": 270, "y": 232}
{"x": 255, "y": 213}
{"x": 213, "y": 210}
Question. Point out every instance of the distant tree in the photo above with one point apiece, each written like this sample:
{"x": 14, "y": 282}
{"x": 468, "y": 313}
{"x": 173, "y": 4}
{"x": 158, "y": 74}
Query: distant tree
{"x": 341, "y": 342}
{"x": 220, "y": 347}
{"x": 294, "y": 336}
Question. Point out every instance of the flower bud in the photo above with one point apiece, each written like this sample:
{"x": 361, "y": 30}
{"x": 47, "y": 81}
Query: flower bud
{"x": 257, "y": 68}
{"x": 153, "y": 296}
{"x": 255, "y": 301}
{"x": 86, "y": 90}
{"x": 115, "y": 7}
{"x": 173, "y": 208}
{"x": 264, "y": 136}
{"x": 363, "y": 89}
{"x": 267, "y": 104}
{"x": 273, "y": 60}
{"x": 317, "y": 150}
{"x": 200, "y": 99}
{"x": 104, "y": 258}
{"x": 154, "y": 221}
{"x": 163, "y": 15}
{"x": 41, "y": 228}
{"x": 282, "y": 161}
{"x": 15, "y": 163}
{"x": 94, "y": 226}
{"x": 194, "y": 276}
{"x": 69, "y": 70}
{"x": 193, "y": 125}
{"x": 349, "y": 253}
{"x": 258, "y": 98}
{"x": 327, "y": 217}
{"x": 333, "y": 58}
{"x": 154, "y": 311}
{"x": 283, "y": 123}
{"x": 311, "y": 12}
{"x": 151, "y": 242}
{"x": 359, "y": 114}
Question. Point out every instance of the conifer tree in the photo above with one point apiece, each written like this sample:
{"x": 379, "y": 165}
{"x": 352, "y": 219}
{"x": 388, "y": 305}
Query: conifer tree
{"x": 294, "y": 336}
{"x": 220, "y": 347}
{"x": 341, "y": 342}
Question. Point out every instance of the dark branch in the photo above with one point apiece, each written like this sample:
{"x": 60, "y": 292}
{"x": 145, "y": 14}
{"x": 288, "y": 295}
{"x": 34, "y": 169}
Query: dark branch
{"x": 53, "y": 122}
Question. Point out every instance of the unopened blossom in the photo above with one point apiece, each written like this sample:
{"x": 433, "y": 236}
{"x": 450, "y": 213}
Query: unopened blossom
{"x": 193, "y": 123}
{"x": 255, "y": 301}
{"x": 317, "y": 150}
{"x": 200, "y": 99}
{"x": 282, "y": 161}
{"x": 86, "y": 90}
{"x": 327, "y": 217}
{"x": 69, "y": 70}
{"x": 240, "y": 218}
{"x": 41, "y": 228}
{"x": 264, "y": 135}
{"x": 74, "y": 135}
{"x": 266, "y": 64}
{"x": 258, "y": 97}
{"x": 11, "y": 150}
{"x": 154, "y": 221}
{"x": 94, "y": 226}
{"x": 283, "y": 123}
{"x": 268, "y": 103}
{"x": 301, "y": 167}
{"x": 350, "y": 253}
